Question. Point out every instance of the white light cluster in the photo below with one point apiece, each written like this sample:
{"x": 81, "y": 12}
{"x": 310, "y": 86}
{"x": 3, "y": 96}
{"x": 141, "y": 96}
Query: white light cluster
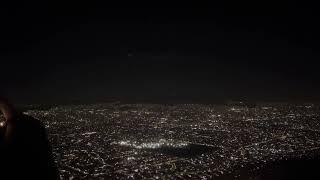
{"x": 153, "y": 145}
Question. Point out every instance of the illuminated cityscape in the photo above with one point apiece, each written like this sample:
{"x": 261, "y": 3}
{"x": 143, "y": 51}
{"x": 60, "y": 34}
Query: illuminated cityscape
{"x": 182, "y": 141}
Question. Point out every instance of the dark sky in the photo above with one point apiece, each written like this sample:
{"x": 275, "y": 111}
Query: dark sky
{"x": 58, "y": 51}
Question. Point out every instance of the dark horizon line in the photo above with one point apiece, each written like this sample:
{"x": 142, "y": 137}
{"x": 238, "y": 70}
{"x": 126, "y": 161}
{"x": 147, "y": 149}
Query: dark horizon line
{"x": 139, "y": 100}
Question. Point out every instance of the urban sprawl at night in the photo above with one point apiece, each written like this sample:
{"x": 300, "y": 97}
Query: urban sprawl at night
{"x": 180, "y": 141}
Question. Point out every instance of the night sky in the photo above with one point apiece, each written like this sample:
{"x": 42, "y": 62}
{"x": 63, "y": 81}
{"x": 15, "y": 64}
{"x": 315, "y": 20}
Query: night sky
{"x": 62, "y": 52}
